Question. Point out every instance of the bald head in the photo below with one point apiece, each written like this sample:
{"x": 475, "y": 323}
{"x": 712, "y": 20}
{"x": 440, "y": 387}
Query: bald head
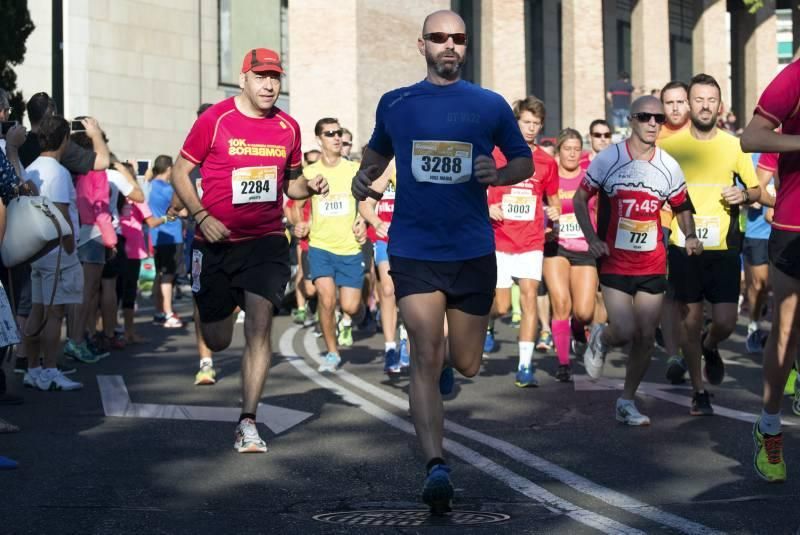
{"x": 444, "y": 20}
{"x": 647, "y": 103}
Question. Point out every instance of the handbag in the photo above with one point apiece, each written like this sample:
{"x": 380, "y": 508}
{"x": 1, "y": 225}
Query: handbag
{"x": 34, "y": 227}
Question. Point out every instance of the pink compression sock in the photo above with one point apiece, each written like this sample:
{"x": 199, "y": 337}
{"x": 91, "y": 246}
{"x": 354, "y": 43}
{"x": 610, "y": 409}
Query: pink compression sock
{"x": 561, "y": 332}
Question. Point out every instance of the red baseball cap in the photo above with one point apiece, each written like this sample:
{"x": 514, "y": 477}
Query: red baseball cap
{"x": 262, "y": 60}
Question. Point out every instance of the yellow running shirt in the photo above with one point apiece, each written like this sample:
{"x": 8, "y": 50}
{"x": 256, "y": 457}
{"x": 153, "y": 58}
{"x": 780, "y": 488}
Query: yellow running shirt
{"x": 709, "y": 166}
{"x": 332, "y": 216}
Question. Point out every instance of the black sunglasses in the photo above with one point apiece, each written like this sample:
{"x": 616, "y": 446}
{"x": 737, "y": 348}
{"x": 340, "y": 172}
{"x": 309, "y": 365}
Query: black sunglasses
{"x": 644, "y": 117}
{"x": 333, "y": 133}
{"x": 346, "y": 144}
{"x": 606, "y": 135}
{"x": 442, "y": 37}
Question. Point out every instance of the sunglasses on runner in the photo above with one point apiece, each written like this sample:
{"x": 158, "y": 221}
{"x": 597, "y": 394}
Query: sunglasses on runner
{"x": 644, "y": 117}
{"x": 442, "y": 37}
{"x": 606, "y": 135}
{"x": 333, "y": 133}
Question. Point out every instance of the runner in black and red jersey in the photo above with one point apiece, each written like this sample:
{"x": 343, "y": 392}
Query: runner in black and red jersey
{"x": 634, "y": 179}
{"x": 249, "y": 153}
{"x": 518, "y": 223}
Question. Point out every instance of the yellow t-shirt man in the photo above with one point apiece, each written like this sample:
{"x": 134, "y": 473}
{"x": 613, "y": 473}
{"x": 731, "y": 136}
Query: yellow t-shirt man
{"x": 709, "y": 166}
{"x": 667, "y": 132}
{"x": 332, "y": 216}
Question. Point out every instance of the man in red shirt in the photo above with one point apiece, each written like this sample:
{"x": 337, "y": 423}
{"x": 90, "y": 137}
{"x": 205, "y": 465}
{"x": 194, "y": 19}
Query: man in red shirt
{"x": 778, "y": 106}
{"x": 634, "y": 179}
{"x": 249, "y": 153}
{"x": 517, "y": 214}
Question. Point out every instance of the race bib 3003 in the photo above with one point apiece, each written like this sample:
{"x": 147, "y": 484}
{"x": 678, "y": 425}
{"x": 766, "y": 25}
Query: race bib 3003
{"x": 441, "y": 162}
{"x": 255, "y": 184}
{"x": 707, "y": 230}
{"x": 636, "y": 236}
{"x": 519, "y": 207}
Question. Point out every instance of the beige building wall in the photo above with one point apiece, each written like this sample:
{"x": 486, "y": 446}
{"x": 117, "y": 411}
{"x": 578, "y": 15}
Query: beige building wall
{"x": 711, "y": 51}
{"x": 650, "y": 65}
{"x": 760, "y": 63}
{"x": 503, "y": 48}
{"x": 583, "y": 90}
{"x": 35, "y": 73}
{"x": 133, "y": 64}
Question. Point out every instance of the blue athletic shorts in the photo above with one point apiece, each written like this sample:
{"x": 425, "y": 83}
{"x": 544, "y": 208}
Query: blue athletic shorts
{"x": 346, "y": 270}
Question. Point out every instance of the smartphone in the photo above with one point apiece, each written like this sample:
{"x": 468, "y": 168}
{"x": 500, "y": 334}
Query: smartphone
{"x": 142, "y": 166}
{"x": 77, "y": 126}
{"x": 8, "y": 125}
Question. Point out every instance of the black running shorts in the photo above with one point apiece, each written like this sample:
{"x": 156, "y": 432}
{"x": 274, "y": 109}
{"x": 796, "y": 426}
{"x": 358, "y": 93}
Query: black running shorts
{"x": 222, "y": 272}
{"x": 784, "y": 251}
{"x": 632, "y": 284}
{"x": 712, "y": 275}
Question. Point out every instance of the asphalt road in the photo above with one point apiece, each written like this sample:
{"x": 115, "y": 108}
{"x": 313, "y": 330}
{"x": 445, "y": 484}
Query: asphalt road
{"x": 542, "y": 460}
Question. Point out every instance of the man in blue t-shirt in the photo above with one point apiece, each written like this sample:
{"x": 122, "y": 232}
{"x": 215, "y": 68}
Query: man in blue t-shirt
{"x": 442, "y": 131}
{"x": 167, "y": 239}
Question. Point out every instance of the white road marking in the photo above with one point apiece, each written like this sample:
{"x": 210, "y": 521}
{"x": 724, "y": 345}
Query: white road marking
{"x": 469, "y": 456}
{"x": 577, "y": 482}
{"x": 117, "y": 402}
{"x": 655, "y": 390}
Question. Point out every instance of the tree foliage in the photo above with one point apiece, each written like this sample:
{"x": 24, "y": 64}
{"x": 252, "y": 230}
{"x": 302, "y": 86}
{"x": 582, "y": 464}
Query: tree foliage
{"x": 17, "y": 26}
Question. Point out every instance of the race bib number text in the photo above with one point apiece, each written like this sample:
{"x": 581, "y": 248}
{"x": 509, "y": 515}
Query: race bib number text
{"x": 636, "y": 236}
{"x": 441, "y": 162}
{"x": 569, "y": 228}
{"x": 519, "y": 207}
{"x": 255, "y": 184}
{"x": 707, "y": 230}
{"x": 335, "y": 204}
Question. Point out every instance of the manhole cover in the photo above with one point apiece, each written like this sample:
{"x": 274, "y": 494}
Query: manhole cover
{"x": 410, "y": 518}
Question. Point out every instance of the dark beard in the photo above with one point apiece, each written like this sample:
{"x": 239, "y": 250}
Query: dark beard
{"x": 448, "y": 71}
{"x": 703, "y": 127}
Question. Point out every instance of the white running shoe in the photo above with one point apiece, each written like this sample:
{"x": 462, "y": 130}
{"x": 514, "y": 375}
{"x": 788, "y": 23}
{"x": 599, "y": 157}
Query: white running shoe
{"x": 628, "y": 414}
{"x": 330, "y": 363}
{"x": 173, "y": 322}
{"x": 52, "y": 379}
{"x": 595, "y": 355}
{"x": 31, "y": 375}
{"x": 240, "y": 317}
{"x": 247, "y": 439}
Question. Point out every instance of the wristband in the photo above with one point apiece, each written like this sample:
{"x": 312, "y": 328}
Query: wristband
{"x": 201, "y": 221}
{"x": 691, "y": 235}
{"x": 194, "y": 215}
{"x": 746, "y": 196}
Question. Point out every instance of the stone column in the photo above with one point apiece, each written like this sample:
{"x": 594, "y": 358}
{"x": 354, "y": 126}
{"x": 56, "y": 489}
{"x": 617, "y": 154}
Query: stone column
{"x": 711, "y": 46}
{"x": 503, "y": 48}
{"x": 583, "y": 90}
{"x": 650, "y": 59}
{"x": 760, "y": 58}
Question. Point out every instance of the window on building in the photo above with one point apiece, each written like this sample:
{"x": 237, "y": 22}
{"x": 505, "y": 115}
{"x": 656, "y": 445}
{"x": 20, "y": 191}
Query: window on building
{"x": 248, "y": 24}
{"x": 470, "y": 11}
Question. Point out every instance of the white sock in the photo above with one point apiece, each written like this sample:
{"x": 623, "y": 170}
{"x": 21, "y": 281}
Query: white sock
{"x": 525, "y": 353}
{"x": 769, "y": 423}
{"x": 206, "y": 362}
{"x": 346, "y": 321}
{"x": 390, "y": 345}
{"x": 752, "y": 327}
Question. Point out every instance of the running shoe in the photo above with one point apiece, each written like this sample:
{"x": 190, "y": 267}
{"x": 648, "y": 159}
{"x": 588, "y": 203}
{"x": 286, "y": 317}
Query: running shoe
{"x": 796, "y": 402}
{"x": 405, "y": 357}
{"x": 701, "y": 404}
{"x": 30, "y": 377}
{"x": 66, "y": 370}
{"x": 595, "y": 355}
{"x": 240, "y": 317}
{"x": 345, "y": 335}
{"x": 98, "y": 345}
{"x": 391, "y": 362}
{"x": 206, "y": 375}
{"x": 159, "y": 318}
{"x": 676, "y": 370}
{"x": 564, "y": 373}
{"x": 714, "y": 368}
{"x": 791, "y": 384}
{"x": 488, "y": 342}
{"x": 545, "y": 342}
{"x": 577, "y": 347}
{"x": 71, "y": 349}
{"x": 299, "y": 316}
{"x": 80, "y": 352}
{"x": 437, "y": 491}
{"x": 516, "y": 319}
{"x": 753, "y": 342}
{"x": 447, "y": 381}
{"x": 52, "y": 379}
{"x": 117, "y": 341}
{"x": 247, "y": 439}
{"x": 330, "y": 363}
{"x": 628, "y": 414}
{"x": 174, "y": 322}
{"x": 526, "y": 376}
{"x": 768, "y": 456}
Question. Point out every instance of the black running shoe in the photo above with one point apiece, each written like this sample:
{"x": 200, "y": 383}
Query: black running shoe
{"x": 701, "y": 404}
{"x": 676, "y": 370}
{"x": 564, "y": 373}
{"x": 714, "y": 368}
